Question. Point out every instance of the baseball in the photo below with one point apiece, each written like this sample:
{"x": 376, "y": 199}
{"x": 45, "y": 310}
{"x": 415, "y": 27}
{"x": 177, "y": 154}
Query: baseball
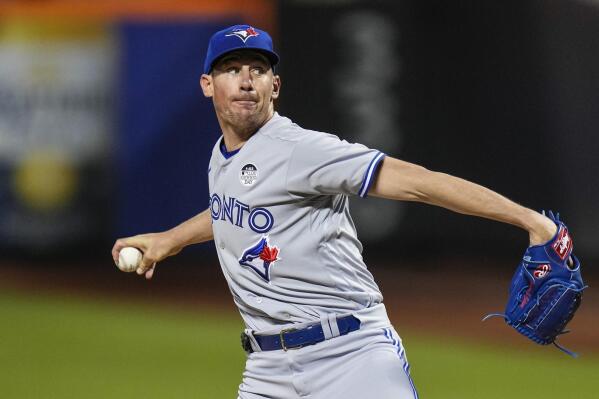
{"x": 129, "y": 259}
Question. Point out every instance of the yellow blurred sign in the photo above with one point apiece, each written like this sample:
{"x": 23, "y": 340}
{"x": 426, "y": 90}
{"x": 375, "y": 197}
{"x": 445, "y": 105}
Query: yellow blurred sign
{"x": 57, "y": 89}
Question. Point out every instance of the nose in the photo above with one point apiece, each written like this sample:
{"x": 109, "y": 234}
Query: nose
{"x": 246, "y": 83}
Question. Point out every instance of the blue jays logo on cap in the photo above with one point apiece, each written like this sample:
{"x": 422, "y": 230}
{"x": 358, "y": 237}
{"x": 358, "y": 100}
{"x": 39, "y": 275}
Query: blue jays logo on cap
{"x": 239, "y": 37}
{"x": 244, "y": 34}
{"x": 260, "y": 257}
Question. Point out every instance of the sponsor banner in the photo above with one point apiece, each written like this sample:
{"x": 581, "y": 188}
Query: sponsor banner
{"x": 56, "y": 119}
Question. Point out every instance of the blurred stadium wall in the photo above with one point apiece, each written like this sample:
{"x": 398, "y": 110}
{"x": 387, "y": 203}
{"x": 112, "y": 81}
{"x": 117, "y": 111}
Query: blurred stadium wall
{"x": 104, "y": 131}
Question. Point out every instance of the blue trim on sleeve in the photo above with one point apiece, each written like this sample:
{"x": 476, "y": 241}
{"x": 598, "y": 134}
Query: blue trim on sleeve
{"x": 369, "y": 175}
{"x": 223, "y": 150}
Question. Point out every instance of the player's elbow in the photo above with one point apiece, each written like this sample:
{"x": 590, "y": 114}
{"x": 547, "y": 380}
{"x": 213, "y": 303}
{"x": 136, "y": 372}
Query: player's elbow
{"x": 416, "y": 180}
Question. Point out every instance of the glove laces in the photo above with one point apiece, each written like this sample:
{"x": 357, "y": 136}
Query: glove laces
{"x": 533, "y": 337}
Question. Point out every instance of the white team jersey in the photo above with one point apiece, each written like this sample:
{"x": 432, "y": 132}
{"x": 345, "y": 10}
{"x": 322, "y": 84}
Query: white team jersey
{"x": 282, "y": 229}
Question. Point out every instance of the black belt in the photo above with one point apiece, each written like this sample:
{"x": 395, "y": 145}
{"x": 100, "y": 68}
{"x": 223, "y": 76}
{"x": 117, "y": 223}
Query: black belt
{"x": 292, "y": 338}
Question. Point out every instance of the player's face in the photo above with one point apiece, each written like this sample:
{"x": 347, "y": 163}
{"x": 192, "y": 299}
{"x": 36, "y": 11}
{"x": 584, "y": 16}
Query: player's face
{"x": 243, "y": 89}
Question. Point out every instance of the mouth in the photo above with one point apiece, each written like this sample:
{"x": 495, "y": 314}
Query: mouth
{"x": 245, "y": 103}
{"x": 247, "y": 99}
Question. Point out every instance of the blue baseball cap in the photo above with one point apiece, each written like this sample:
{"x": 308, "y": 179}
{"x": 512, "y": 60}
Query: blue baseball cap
{"x": 239, "y": 37}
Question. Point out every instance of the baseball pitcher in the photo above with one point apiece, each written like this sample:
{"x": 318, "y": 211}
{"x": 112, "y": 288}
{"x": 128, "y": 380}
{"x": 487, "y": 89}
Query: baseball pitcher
{"x": 316, "y": 325}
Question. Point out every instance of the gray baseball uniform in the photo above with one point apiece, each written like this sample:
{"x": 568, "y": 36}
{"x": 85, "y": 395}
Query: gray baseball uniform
{"x": 290, "y": 254}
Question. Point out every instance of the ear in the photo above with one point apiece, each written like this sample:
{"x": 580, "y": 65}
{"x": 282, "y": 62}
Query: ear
{"x": 206, "y": 84}
{"x": 276, "y": 86}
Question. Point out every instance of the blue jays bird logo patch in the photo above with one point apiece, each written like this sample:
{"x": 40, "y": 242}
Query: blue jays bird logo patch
{"x": 260, "y": 258}
{"x": 244, "y": 34}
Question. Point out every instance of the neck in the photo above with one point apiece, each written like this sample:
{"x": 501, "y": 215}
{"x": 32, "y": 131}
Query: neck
{"x": 235, "y": 136}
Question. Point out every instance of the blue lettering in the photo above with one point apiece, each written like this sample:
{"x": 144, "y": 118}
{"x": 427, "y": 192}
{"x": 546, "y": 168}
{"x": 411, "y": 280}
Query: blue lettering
{"x": 254, "y": 220}
{"x": 215, "y": 200}
{"x": 260, "y": 220}
{"x": 228, "y": 207}
{"x": 241, "y": 207}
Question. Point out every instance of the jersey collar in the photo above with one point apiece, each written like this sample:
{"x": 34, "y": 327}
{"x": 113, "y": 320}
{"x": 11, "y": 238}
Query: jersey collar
{"x": 223, "y": 149}
{"x": 229, "y": 154}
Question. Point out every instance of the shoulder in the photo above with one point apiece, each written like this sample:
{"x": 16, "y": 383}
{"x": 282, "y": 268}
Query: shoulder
{"x": 286, "y": 132}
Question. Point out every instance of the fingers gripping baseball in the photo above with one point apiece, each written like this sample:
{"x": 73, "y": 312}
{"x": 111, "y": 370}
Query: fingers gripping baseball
{"x": 154, "y": 248}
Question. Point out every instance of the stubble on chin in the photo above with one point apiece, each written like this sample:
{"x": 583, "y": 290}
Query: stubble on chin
{"x": 245, "y": 124}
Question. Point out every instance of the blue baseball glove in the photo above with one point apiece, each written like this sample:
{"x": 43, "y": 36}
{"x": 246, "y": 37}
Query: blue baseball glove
{"x": 546, "y": 289}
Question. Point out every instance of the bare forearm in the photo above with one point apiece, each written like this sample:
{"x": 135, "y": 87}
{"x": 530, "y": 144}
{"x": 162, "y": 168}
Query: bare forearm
{"x": 469, "y": 198}
{"x": 196, "y": 230}
{"x": 404, "y": 181}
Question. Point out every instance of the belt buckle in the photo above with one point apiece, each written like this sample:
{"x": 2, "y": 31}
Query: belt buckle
{"x": 282, "y": 339}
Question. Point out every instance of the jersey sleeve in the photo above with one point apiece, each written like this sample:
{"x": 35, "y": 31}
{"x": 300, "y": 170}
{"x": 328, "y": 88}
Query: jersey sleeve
{"x": 324, "y": 164}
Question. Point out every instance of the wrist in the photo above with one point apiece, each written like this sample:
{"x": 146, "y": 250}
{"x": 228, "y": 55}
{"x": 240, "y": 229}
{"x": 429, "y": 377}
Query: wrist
{"x": 540, "y": 228}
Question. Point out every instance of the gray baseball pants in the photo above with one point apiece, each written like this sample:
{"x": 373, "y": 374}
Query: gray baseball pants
{"x": 368, "y": 363}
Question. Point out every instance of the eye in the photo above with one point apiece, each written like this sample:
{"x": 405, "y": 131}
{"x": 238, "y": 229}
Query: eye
{"x": 232, "y": 69}
{"x": 258, "y": 70}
